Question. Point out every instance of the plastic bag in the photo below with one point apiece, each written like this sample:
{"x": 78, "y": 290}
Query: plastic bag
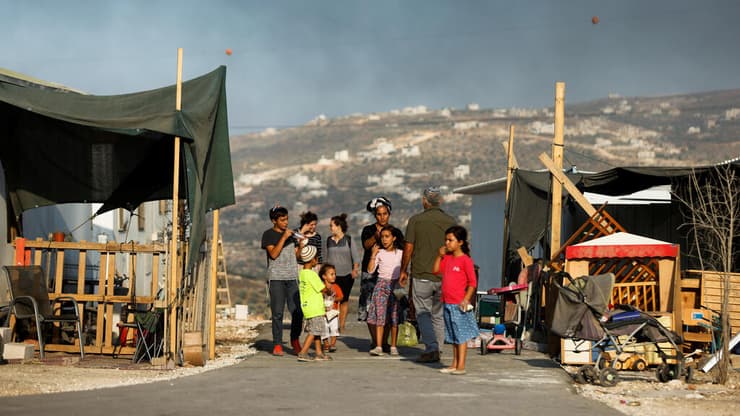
{"x": 331, "y": 314}
{"x": 406, "y": 335}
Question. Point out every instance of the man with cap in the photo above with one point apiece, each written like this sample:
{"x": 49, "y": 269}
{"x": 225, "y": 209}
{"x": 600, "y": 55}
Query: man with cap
{"x": 425, "y": 234}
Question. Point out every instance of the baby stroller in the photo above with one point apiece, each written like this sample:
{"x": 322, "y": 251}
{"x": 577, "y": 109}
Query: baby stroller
{"x": 582, "y": 313}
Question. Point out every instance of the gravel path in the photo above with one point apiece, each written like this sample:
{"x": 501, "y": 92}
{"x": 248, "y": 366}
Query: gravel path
{"x": 64, "y": 372}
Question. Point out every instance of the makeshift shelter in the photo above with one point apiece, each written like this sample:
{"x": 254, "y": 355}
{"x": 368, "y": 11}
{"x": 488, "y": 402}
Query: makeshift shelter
{"x": 59, "y": 145}
{"x": 530, "y": 191}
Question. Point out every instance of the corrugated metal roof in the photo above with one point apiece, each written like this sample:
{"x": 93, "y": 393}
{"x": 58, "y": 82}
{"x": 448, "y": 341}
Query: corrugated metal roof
{"x": 660, "y": 194}
{"x": 23, "y": 80}
{"x": 483, "y": 187}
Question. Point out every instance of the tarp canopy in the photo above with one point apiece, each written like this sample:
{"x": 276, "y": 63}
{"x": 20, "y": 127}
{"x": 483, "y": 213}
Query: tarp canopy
{"x": 59, "y": 146}
{"x": 530, "y": 193}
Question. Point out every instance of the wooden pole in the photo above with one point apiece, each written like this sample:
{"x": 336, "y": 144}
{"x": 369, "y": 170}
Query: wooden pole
{"x": 511, "y": 165}
{"x": 557, "y": 157}
{"x": 173, "y": 286}
{"x": 569, "y": 186}
{"x": 511, "y": 162}
{"x": 212, "y": 289}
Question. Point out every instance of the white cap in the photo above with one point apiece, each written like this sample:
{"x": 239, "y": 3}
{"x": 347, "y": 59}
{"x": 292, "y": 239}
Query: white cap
{"x": 308, "y": 253}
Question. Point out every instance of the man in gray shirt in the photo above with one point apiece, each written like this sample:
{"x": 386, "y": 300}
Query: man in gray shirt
{"x": 281, "y": 247}
{"x": 425, "y": 234}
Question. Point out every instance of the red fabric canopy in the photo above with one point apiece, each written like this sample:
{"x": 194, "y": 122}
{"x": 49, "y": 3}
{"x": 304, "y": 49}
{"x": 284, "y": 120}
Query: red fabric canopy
{"x": 621, "y": 245}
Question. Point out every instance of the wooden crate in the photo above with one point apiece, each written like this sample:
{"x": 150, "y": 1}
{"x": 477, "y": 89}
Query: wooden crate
{"x": 711, "y": 296}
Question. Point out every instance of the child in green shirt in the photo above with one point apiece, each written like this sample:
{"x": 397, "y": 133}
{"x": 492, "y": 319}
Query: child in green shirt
{"x": 311, "y": 290}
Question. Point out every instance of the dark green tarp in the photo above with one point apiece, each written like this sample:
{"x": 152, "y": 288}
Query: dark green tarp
{"x": 60, "y": 146}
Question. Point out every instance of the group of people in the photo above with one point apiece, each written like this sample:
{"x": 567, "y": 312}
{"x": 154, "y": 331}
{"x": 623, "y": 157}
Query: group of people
{"x": 431, "y": 262}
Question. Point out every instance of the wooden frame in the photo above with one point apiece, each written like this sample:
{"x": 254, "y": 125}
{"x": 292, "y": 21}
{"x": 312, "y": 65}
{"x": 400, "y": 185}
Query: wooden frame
{"x": 100, "y": 304}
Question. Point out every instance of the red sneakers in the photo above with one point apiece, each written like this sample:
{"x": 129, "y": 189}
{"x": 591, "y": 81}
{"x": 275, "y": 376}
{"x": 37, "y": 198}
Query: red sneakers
{"x": 296, "y": 344}
{"x": 278, "y": 350}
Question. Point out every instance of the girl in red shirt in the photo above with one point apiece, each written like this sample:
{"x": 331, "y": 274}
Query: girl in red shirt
{"x": 458, "y": 287}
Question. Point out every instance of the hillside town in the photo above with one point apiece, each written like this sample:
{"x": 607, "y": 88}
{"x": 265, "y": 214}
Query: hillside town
{"x": 414, "y": 207}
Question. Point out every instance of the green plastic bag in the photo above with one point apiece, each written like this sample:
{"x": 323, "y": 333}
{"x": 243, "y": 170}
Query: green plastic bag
{"x": 406, "y": 335}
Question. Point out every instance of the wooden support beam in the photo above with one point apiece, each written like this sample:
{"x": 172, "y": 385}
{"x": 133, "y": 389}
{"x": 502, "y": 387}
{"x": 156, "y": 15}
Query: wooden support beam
{"x": 560, "y": 177}
{"x": 511, "y": 165}
{"x": 524, "y": 255}
{"x": 677, "y": 305}
{"x": 212, "y": 292}
{"x": 557, "y": 157}
{"x": 173, "y": 280}
{"x": 510, "y": 156}
{"x": 110, "y": 272}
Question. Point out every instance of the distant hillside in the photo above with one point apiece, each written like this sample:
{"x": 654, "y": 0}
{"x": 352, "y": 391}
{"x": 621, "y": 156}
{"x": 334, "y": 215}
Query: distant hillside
{"x": 331, "y": 166}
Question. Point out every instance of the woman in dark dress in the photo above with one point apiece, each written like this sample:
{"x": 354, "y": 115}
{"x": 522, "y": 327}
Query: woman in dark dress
{"x": 381, "y": 210}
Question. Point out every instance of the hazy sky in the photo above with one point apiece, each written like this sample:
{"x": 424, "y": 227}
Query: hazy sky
{"x": 293, "y": 60}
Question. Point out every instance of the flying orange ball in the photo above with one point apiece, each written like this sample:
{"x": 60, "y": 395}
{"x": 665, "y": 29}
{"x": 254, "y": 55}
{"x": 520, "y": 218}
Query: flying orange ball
{"x": 595, "y": 20}
{"x": 228, "y": 51}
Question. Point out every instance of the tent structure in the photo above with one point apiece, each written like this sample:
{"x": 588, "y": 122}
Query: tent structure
{"x": 530, "y": 192}
{"x": 58, "y": 145}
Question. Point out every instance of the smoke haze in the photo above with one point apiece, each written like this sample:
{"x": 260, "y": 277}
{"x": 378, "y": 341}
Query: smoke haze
{"x": 293, "y": 60}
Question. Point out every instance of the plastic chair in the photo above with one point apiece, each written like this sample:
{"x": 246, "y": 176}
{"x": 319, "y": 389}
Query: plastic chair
{"x": 29, "y": 298}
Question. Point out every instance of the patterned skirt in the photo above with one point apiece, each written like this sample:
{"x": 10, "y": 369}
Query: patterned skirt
{"x": 383, "y": 306}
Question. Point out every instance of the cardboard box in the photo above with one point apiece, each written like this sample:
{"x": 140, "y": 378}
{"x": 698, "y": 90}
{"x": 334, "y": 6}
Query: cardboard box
{"x": 17, "y": 351}
{"x": 241, "y": 312}
{"x": 575, "y": 352}
{"x": 493, "y": 320}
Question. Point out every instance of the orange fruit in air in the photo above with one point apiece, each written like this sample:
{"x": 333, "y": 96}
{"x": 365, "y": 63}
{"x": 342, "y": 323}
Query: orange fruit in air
{"x": 228, "y": 51}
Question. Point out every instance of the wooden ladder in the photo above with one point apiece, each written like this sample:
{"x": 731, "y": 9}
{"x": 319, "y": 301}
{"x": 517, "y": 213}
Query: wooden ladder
{"x": 223, "y": 296}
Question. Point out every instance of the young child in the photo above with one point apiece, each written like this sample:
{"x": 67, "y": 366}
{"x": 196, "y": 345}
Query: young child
{"x": 458, "y": 287}
{"x": 382, "y": 312}
{"x": 332, "y": 297}
{"x": 312, "y": 291}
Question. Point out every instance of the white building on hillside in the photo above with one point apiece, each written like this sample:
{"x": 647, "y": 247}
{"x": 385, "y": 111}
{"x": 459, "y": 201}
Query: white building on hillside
{"x": 390, "y": 178}
{"x": 341, "y": 156}
{"x": 461, "y": 171}
{"x": 410, "y": 151}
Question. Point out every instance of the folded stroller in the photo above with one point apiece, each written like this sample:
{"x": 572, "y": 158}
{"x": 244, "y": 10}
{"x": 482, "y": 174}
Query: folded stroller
{"x": 582, "y": 314}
